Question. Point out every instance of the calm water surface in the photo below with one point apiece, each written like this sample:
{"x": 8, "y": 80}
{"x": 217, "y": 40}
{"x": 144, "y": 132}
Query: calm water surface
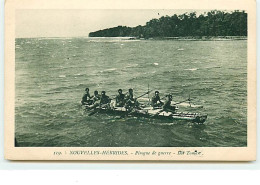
{"x": 51, "y": 75}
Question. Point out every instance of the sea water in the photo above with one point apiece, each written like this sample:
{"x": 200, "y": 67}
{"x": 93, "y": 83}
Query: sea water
{"x": 51, "y": 75}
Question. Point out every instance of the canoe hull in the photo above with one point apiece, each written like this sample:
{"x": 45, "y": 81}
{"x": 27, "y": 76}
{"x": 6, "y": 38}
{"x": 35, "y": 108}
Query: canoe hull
{"x": 157, "y": 113}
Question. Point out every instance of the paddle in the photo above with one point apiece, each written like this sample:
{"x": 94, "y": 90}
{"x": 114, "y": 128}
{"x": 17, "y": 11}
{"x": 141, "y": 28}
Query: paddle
{"x": 144, "y": 94}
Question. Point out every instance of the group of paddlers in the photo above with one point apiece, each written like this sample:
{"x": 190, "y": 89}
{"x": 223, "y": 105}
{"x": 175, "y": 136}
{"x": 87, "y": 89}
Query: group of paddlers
{"x": 124, "y": 100}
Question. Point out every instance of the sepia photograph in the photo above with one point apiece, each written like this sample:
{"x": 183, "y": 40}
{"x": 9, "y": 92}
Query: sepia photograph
{"x": 131, "y": 78}
{"x": 173, "y": 78}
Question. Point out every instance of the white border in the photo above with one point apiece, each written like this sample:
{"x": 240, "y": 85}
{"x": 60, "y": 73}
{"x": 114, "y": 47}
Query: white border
{"x": 110, "y": 162}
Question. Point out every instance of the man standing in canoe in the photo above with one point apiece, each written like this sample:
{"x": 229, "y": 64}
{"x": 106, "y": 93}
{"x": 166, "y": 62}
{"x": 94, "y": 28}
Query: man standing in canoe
{"x": 86, "y": 99}
{"x": 120, "y": 99}
{"x": 156, "y": 100}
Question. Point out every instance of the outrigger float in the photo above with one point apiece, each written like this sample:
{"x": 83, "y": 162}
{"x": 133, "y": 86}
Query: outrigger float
{"x": 151, "y": 112}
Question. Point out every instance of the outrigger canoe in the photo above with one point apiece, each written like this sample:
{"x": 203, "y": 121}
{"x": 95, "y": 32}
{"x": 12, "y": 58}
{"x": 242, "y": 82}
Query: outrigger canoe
{"x": 150, "y": 112}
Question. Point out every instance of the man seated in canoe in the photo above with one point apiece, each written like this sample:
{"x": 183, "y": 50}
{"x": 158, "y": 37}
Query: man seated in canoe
{"x": 167, "y": 105}
{"x": 104, "y": 100}
{"x": 130, "y": 100}
{"x": 96, "y": 97}
{"x": 120, "y": 99}
{"x": 156, "y": 100}
{"x": 86, "y": 99}
{"x": 95, "y": 100}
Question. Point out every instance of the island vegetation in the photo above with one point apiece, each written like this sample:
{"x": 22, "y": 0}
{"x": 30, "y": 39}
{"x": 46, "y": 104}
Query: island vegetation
{"x": 210, "y": 24}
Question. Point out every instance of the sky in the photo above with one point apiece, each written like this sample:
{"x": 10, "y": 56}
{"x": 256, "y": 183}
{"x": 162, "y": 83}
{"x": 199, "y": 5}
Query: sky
{"x": 78, "y": 23}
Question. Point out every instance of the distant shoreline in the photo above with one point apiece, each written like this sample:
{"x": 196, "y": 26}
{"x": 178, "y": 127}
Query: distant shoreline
{"x": 188, "y": 38}
{"x": 194, "y": 38}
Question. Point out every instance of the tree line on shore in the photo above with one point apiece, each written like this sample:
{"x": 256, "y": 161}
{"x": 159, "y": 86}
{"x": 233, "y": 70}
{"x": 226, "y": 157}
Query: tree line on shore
{"x": 212, "y": 23}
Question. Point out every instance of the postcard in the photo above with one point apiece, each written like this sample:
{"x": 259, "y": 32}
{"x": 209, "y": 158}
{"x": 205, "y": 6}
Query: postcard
{"x": 137, "y": 81}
